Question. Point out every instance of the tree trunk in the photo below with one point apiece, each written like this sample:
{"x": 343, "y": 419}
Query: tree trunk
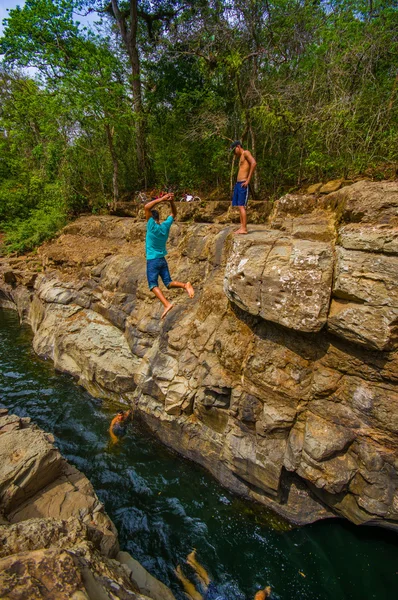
{"x": 137, "y": 95}
{"x": 255, "y": 174}
{"x": 231, "y": 176}
{"x": 129, "y": 36}
{"x": 115, "y": 162}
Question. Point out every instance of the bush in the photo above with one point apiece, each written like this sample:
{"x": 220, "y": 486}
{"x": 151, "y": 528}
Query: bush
{"x": 13, "y": 200}
{"x": 43, "y": 222}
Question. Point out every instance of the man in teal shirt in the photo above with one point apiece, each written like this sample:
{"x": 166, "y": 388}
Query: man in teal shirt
{"x": 157, "y": 235}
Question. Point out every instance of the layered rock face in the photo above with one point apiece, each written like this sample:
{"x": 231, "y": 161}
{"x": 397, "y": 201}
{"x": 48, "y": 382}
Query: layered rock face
{"x": 280, "y": 376}
{"x": 56, "y": 541}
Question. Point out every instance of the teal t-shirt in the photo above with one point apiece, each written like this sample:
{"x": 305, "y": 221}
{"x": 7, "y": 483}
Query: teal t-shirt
{"x": 157, "y": 235}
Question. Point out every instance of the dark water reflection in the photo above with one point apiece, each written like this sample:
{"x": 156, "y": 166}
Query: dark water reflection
{"x": 163, "y": 506}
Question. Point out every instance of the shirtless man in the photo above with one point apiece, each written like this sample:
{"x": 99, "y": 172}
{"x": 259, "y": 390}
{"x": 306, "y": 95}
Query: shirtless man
{"x": 117, "y": 428}
{"x": 208, "y": 589}
{"x": 247, "y": 164}
{"x": 157, "y": 235}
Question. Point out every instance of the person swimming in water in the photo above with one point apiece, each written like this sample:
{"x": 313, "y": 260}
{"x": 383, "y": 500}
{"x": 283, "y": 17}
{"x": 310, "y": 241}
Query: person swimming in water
{"x": 210, "y": 591}
{"x": 118, "y": 426}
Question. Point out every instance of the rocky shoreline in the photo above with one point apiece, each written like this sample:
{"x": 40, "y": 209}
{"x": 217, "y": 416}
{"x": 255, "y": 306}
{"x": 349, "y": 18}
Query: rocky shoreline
{"x": 56, "y": 540}
{"x": 280, "y": 377}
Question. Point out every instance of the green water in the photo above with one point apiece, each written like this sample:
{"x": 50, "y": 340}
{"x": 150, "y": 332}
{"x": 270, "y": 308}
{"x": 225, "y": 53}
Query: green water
{"x": 163, "y": 505}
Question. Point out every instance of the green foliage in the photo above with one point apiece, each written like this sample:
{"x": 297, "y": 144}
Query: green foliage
{"x": 42, "y": 222}
{"x": 311, "y": 87}
{"x": 42, "y": 34}
{"x": 13, "y": 200}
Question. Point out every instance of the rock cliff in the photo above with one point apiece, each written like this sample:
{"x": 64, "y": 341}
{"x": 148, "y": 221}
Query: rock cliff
{"x": 280, "y": 377}
{"x": 56, "y": 541}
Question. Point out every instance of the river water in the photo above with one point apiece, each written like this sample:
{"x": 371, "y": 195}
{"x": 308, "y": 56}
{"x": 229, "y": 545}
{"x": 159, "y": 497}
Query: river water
{"x": 163, "y": 505}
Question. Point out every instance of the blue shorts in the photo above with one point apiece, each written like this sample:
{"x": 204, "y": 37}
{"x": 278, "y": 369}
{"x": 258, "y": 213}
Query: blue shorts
{"x": 156, "y": 267}
{"x": 119, "y": 430}
{"x": 241, "y": 194}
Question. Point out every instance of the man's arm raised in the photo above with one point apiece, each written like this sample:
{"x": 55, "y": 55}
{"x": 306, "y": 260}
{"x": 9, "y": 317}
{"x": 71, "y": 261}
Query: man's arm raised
{"x": 148, "y": 207}
{"x": 252, "y": 162}
{"x": 173, "y": 207}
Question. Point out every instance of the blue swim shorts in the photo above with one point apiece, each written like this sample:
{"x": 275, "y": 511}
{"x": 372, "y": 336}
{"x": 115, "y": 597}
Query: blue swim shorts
{"x": 119, "y": 430}
{"x": 156, "y": 267}
{"x": 241, "y": 194}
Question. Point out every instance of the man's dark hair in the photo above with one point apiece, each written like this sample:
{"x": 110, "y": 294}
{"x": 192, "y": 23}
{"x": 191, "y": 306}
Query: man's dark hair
{"x": 155, "y": 214}
{"x": 235, "y": 144}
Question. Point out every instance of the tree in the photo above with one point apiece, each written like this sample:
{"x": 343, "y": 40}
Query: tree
{"x": 45, "y": 36}
{"x": 134, "y": 20}
{"x": 155, "y": 92}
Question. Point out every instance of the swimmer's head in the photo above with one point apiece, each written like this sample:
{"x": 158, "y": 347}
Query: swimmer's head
{"x": 124, "y": 415}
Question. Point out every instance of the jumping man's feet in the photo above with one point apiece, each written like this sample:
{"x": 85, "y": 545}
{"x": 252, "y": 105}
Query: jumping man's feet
{"x": 189, "y": 289}
{"x": 166, "y": 310}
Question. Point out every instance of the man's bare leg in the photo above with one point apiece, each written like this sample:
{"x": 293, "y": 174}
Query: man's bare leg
{"x": 189, "y": 588}
{"x": 200, "y": 571}
{"x": 186, "y": 286}
{"x": 167, "y": 305}
{"x": 243, "y": 221}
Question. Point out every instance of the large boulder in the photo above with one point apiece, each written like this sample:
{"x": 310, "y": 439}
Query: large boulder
{"x": 83, "y": 343}
{"x": 365, "y": 308}
{"x": 76, "y": 573}
{"x": 284, "y": 280}
{"x": 374, "y": 327}
{"x": 369, "y": 238}
{"x": 366, "y": 202}
{"x": 28, "y": 461}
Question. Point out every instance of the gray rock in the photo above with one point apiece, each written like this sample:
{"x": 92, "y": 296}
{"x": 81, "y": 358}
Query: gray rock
{"x": 145, "y": 581}
{"x": 28, "y": 462}
{"x": 366, "y": 202}
{"x": 247, "y": 382}
{"x": 57, "y": 536}
{"x": 366, "y": 278}
{"x": 86, "y": 345}
{"x": 287, "y": 281}
{"x": 370, "y": 326}
{"x": 369, "y": 238}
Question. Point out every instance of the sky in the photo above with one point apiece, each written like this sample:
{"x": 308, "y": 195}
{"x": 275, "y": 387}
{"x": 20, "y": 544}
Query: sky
{"x": 4, "y": 4}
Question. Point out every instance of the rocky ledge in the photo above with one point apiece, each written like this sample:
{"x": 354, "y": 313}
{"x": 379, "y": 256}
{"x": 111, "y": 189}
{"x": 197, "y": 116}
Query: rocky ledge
{"x": 56, "y": 541}
{"x": 280, "y": 377}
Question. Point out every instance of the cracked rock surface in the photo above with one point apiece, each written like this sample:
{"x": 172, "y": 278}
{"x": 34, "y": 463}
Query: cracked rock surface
{"x": 280, "y": 376}
{"x": 56, "y": 541}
